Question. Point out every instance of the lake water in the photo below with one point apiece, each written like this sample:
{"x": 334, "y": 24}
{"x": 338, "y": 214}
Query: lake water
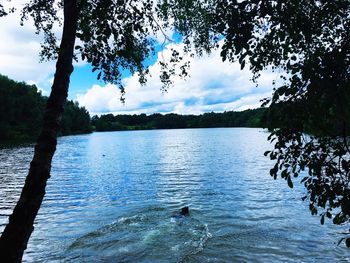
{"x": 112, "y": 195}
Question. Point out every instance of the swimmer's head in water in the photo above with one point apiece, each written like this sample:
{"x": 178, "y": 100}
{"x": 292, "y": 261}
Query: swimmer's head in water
{"x": 185, "y": 211}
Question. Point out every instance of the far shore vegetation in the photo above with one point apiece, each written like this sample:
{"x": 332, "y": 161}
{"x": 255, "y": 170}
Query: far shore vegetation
{"x": 248, "y": 118}
{"x": 22, "y": 107}
{"x": 21, "y": 113}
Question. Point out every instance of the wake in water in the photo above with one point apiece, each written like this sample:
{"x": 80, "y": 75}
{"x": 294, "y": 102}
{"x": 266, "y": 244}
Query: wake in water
{"x": 151, "y": 235}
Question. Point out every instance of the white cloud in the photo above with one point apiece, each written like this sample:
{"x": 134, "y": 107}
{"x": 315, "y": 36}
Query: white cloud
{"x": 19, "y": 51}
{"x": 100, "y": 99}
{"x": 212, "y": 86}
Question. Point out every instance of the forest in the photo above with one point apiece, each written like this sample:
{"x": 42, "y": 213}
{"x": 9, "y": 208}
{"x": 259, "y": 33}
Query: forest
{"x": 21, "y": 112}
{"x": 22, "y": 107}
{"x": 247, "y": 118}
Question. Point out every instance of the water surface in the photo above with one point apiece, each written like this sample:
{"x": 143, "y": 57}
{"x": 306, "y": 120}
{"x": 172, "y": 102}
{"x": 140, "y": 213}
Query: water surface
{"x": 112, "y": 195}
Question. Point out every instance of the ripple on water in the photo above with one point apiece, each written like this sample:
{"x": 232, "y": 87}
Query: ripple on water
{"x": 152, "y": 235}
{"x": 14, "y": 164}
{"x": 111, "y": 195}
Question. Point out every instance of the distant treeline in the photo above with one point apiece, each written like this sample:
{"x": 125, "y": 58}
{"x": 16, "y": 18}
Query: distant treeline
{"x": 21, "y": 112}
{"x": 247, "y": 118}
{"x": 22, "y": 107}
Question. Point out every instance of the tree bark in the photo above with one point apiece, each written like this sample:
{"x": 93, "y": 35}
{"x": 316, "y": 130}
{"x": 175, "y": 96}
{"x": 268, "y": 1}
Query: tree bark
{"x": 15, "y": 237}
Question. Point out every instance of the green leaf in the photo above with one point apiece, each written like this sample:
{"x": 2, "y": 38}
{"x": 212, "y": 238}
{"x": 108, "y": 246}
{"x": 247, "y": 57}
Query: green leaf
{"x": 285, "y": 173}
{"x": 242, "y": 64}
{"x": 322, "y": 220}
{"x": 304, "y": 179}
{"x": 290, "y": 183}
{"x": 339, "y": 219}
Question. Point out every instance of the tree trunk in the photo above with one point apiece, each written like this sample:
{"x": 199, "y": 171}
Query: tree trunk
{"x": 15, "y": 237}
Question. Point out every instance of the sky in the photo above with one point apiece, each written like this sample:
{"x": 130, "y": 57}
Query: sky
{"x": 212, "y": 86}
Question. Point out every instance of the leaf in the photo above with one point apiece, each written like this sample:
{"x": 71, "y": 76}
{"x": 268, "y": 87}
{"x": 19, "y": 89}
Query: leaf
{"x": 304, "y": 179}
{"x": 79, "y": 35}
{"x": 290, "y": 183}
{"x": 339, "y": 219}
{"x": 273, "y": 171}
{"x": 285, "y": 173}
{"x": 266, "y": 153}
{"x": 322, "y": 220}
{"x": 223, "y": 54}
{"x": 242, "y": 64}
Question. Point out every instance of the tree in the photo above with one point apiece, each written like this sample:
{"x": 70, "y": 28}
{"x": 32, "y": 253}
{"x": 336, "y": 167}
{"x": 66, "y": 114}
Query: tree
{"x": 21, "y": 108}
{"x": 75, "y": 119}
{"x": 16, "y": 234}
{"x": 309, "y": 42}
{"x": 21, "y": 112}
{"x": 114, "y": 34}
